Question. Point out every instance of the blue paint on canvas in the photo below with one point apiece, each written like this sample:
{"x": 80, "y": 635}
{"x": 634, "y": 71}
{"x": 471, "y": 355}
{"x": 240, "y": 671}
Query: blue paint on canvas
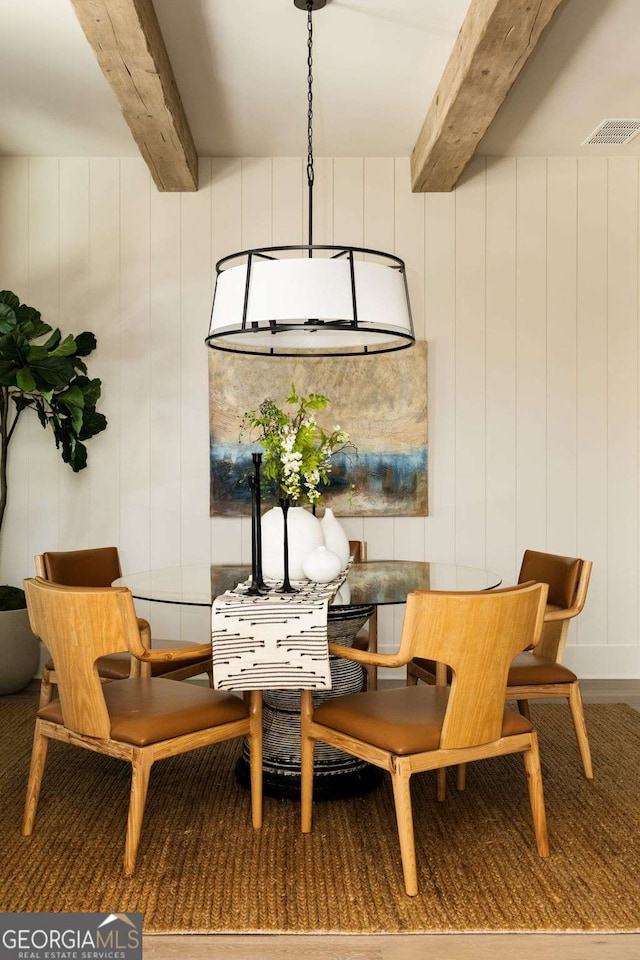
{"x": 370, "y": 479}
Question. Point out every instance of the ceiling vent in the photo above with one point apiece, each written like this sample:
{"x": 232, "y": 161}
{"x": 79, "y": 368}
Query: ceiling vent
{"x": 614, "y": 131}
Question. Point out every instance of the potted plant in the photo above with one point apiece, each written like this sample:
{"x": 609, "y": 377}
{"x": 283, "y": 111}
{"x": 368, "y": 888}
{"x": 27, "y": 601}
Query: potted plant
{"x": 297, "y": 462}
{"x": 43, "y": 371}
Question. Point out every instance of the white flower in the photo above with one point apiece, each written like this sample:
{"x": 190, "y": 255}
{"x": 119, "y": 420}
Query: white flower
{"x": 298, "y": 451}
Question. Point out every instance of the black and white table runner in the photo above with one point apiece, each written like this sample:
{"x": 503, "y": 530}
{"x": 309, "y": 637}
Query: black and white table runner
{"x": 276, "y": 642}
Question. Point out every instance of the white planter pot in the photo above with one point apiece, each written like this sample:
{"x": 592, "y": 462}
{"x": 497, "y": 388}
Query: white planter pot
{"x": 305, "y": 534}
{"x": 335, "y": 538}
{"x": 19, "y": 651}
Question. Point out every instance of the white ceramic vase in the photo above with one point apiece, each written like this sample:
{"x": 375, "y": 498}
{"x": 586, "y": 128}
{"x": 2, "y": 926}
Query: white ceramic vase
{"x": 304, "y": 534}
{"x": 335, "y": 538}
{"x": 322, "y": 565}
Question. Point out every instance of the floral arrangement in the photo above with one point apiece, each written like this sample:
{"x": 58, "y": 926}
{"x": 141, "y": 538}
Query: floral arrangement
{"x": 297, "y": 451}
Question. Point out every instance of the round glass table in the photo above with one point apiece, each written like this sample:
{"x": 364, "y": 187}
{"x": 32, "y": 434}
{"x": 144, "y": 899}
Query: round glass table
{"x": 373, "y": 583}
{"x": 368, "y": 585}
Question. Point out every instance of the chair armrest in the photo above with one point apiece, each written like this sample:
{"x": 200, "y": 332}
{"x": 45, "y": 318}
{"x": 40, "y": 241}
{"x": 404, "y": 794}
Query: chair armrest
{"x": 195, "y": 652}
{"x": 166, "y": 655}
{"x": 567, "y": 613}
{"x": 368, "y": 657}
{"x": 138, "y": 635}
{"x": 145, "y": 632}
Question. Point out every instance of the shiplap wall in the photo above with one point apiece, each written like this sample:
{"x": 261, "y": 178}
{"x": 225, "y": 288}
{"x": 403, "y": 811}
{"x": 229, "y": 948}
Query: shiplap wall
{"x": 524, "y": 281}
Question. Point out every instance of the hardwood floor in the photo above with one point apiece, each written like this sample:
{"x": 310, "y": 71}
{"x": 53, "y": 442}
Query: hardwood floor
{"x": 432, "y": 947}
{"x": 414, "y": 947}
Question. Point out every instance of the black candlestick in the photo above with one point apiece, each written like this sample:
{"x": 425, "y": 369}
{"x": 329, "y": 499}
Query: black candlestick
{"x": 286, "y": 585}
{"x": 256, "y": 588}
{"x": 256, "y": 529}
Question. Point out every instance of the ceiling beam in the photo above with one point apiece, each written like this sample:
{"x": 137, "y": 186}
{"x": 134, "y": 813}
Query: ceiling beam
{"x": 494, "y": 43}
{"x": 126, "y": 39}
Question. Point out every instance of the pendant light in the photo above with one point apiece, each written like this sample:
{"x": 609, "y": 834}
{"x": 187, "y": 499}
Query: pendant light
{"x": 311, "y": 299}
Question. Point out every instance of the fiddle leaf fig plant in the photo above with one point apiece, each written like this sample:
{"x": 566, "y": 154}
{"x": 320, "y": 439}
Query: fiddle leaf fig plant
{"x": 43, "y": 371}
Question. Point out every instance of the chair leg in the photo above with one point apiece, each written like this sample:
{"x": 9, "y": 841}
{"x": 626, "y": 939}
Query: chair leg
{"x": 140, "y": 769}
{"x": 255, "y": 750}
{"x": 536, "y": 796}
{"x": 412, "y": 678}
{"x": 372, "y": 671}
{"x": 210, "y": 674}
{"x": 577, "y": 713}
{"x": 461, "y": 777}
{"x": 404, "y": 817}
{"x": 307, "y": 750}
{"x": 36, "y": 770}
{"x": 46, "y": 689}
{"x": 523, "y": 707}
{"x": 441, "y": 784}
{"x": 135, "y": 671}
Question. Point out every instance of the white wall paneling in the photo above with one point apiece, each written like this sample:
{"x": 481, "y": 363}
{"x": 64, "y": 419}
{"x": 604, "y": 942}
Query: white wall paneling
{"x": 531, "y": 354}
{"x": 43, "y": 290}
{"x": 440, "y": 325}
{"x": 591, "y": 390}
{"x": 75, "y": 290}
{"x": 196, "y": 296}
{"x": 102, "y": 474}
{"x": 524, "y": 281}
{"x": 561, "y": 341}
{"x": 622, "y": 400}
{"x": 14, "y": 271}
{"x": 470, "y": 362}
{"x": 501, "y": 553}
{"x": 138, "y": 490}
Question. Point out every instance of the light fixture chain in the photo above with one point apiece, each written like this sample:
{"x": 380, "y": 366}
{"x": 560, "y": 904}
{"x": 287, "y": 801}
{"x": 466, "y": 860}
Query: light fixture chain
{"x": 310, "y": 173}
{"x": 310, "y": 170}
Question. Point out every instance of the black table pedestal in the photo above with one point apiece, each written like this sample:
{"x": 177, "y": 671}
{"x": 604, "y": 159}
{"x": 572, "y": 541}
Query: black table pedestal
{"x": 336, "y": 774}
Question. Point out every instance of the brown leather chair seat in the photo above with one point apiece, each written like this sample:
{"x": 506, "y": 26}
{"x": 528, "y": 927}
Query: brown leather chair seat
{"x": 142, "y": 713}
{"x": 529, "y": 668}
{"x": 403, "y": 720}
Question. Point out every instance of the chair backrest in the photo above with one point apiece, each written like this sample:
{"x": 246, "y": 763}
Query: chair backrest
{"x": 477, "y": 635}
{"x": 568, "y": 580}
{"x": 358, "y": 550}
{"x": 80, "y": 568}
{"x": 78, "y": 625}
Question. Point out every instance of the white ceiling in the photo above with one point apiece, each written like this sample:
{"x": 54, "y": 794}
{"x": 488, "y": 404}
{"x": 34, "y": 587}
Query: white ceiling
{"x": 241, "y": 70}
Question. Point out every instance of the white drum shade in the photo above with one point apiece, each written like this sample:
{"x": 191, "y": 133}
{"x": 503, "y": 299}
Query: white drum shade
{"x": 317, "y": 305}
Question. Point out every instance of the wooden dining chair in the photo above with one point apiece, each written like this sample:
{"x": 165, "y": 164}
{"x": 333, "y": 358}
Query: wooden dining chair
{"x": 367, "y": 638}
{"x": 539, "y": 674}
{"x": 406, "y": 730}
{"x": 140, "y": 719}
{"x": 99, "y": 568}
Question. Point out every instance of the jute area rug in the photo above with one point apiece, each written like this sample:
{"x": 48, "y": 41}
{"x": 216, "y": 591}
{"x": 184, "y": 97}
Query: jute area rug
{"x": 202, "y": 869}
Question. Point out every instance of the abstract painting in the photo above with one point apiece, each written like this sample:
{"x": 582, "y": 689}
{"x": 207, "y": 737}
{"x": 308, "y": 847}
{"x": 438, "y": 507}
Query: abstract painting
{"x": 380, "y": 401}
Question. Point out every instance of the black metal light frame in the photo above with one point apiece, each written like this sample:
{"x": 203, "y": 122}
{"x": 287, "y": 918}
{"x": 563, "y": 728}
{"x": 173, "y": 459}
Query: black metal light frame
{"x": 399, "y": 337}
